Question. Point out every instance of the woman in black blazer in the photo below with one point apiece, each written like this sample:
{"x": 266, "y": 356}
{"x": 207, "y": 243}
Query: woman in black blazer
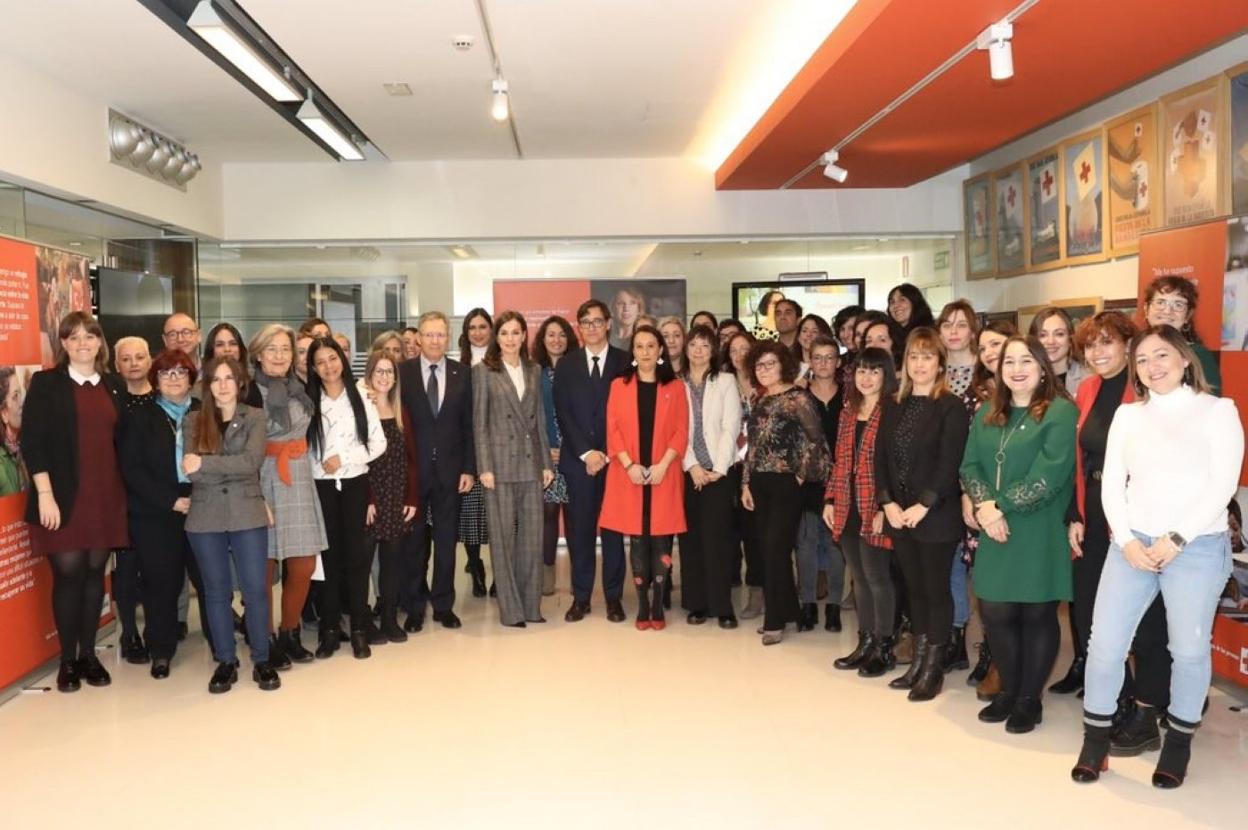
{"x": 919, "y": 449}
{"x": 152, "y": 447}
{"x": 70, "y": 424}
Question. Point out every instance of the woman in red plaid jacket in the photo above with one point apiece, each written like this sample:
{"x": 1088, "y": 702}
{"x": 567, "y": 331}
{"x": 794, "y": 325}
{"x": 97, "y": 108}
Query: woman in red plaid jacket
{"x": 855, "y": 518}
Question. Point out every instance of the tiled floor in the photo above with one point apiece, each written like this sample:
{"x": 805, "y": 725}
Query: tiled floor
{"x": 588, "y": 725}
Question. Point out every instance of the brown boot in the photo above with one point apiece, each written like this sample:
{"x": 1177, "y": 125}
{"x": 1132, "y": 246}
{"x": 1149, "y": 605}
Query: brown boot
{"x": 904, "y": 651}
{"x": 990, "y": 686}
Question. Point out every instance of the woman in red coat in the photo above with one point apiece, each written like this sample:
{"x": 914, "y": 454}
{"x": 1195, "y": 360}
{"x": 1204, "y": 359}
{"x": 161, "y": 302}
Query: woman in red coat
{"x": 647, "y": 432}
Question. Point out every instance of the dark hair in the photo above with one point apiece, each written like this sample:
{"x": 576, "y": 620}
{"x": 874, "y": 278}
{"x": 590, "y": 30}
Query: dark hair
{"x": 788, "y": 363}
{"x": 316, "y": 432}
{"x": 540, "y": 356}
{"x": 1172, "y": 284}
{"x": 824, "y": 331}
{"x": 1045, "y": 313}
{"x": 305, "y": 328}
{"x": 749, "y": 338}
{"x": 494, "y": 352}
{"x": 171, "y": 359}
{"x": 1048, "y": 389}
{"x": 920, "y": 311}
{"x": 584, "y": 308}
{"x": 465, "y": 347}
{"x": 968, "y": 311}
{"x": 663, "y": 373}
{"x": 693, "y": 320}
{"x": 982, "y": 379}
{"x": 895, "y": 332}
{"x": 797, "y": 307}
{"x": 244, "y": 377}
{"x": 410, "y": 330}
{"x": 207, "y": 437}
{"x": 765, "y": 302}
{"x": 1193, "y": 375}
{"x": 1108, "y": 324}
{"x": 70, "y": 323}
{"x": 727, "y": 322}
{"x": 872, "y": 360}
{"x": 844, "y": 315}
{"x": 701, "y": 332}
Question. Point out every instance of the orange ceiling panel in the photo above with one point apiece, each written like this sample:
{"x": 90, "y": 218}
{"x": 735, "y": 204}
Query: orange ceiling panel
{"x": 1067, "y": 55}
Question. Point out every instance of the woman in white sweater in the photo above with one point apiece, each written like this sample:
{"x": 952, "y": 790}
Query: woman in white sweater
{"x": 1171, "y": 465}
{"x": 706, "y": 555}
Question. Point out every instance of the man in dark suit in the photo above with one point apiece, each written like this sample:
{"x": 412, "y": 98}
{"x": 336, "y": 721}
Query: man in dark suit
{"x": 437, "y": 394}
{"x": 582, "y": 382}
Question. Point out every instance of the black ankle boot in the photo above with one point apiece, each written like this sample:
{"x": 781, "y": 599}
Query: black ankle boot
{"x": 981, "y": 665}
{"x": 390, "y": 627}
{"x": 908, "y": 679}
{"x": 476, "y": 569}
{"x": 955, "y": 652}
{"x": 1025, "y": 716}
{"x": 1137, "y": 734}
{"x": 1094, "y": 755}
{"x": 808, "y": 617}
{"x": 292, "y": 644}
{"x": 831, "y": 617}
{"x": 326, "y": 642}
{"x": 998, "y": 710}
{"x": 1175, "y": 753}
{"x": 881, "y": 659}
{"x": 866, "y": 642}
{"x": 278, "y": 658}
{"x": 931, "y": 677}
{"x": 359, "y": 645}
{"x": 1073, "y": 681}
{"x": 643, "y": 608}
{"x": 133, "y": 650}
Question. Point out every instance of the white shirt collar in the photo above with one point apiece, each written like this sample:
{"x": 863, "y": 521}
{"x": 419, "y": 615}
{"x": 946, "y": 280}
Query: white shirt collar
{"x": 93, "y": 378}
{"x": 601, "y": 355}
{"x": 425, "y": 363}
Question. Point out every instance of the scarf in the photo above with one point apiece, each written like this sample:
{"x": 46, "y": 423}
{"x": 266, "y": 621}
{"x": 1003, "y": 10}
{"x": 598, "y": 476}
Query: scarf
{"x": 281, "y": 392}
{"x": 177, "y": 413}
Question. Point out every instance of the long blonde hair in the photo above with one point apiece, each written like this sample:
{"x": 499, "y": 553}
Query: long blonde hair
{"x": 392, "y": 397}
{"x": 925, "y": 338}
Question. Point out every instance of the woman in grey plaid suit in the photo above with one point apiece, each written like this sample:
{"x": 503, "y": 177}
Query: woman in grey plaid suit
{"x": 513, "y": 464}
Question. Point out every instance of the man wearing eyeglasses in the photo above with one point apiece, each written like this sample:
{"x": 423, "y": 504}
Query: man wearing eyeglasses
{"x": 582, "y": 383}
{"x": 182, "y": 333}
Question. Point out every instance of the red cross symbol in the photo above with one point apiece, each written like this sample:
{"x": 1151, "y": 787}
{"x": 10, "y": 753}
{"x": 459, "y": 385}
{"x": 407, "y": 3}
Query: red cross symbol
{"x": 979, "y": 217}
{"x": 1144, "y": 189}
{"x": 1047, "y": 182}
{"x": 1009, "y": 196}
{"x": 1084, "y": 170}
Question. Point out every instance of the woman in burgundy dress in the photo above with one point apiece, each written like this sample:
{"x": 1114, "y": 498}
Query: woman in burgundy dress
{"x": 77, "y": 504}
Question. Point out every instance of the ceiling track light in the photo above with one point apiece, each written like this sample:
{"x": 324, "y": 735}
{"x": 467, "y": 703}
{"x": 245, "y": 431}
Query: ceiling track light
{"x": 500, "y": 107}
{"x": 996, "y": 41}
{"x": 831, "y": 169}
{"x": 232, "y": 45}
{"x": 149, "y": 153}
{"x": 312, "y": 118}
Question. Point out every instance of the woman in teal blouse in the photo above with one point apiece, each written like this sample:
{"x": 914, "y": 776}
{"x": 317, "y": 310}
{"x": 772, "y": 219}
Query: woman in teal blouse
{"x": 1018, "y": 469}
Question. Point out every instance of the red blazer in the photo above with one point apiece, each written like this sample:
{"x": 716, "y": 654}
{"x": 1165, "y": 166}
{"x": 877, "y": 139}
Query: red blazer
{"x": 1084, "y": 398}
{"x": 621, "y": 505}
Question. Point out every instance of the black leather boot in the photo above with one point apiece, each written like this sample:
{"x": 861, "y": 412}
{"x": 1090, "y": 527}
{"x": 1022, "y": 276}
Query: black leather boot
{"x": 981, "y": 665}
{"x": 881, "y": 660}
{"x": 908, "y": 679}
{"x": 1137, "y": 734}
{"x": 1172, "y": 766}
{"x": 1025, "y": 716}
{"x": 831, "y": 617}
{"x": 1073, "y": 681}
{"x": 1094, "y": 754}
{"x": 292, "y": 644}
{"x": 390, "y": 627}
{"x": 326, "y": 642}
{"x": 955, "y": 652}
{"x": 278, "y": 658}
{"x": 932, "y": 676}
{"x": 808, "y": 617}
{"x": 866, "y": 642}
{"x": 359, "y": 645}
{"x": 476, "y": 569}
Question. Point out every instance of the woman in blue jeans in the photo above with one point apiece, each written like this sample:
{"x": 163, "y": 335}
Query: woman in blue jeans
{"x": 1171, "y": 465}
{"x": 225, "y": 444}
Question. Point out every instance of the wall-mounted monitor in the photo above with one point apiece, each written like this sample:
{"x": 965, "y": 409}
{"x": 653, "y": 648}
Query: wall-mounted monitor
{"x": 754, "y": 303}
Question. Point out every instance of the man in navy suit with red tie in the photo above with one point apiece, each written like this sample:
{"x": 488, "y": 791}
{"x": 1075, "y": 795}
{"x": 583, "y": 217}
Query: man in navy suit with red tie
{"x": 582, "y": 383}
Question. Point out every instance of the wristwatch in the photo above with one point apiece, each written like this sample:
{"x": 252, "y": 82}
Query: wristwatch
{"x": 1176, "y": 540}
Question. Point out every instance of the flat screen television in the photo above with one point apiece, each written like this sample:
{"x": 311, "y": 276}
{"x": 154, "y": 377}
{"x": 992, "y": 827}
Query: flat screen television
{"x": 754, "y": 303}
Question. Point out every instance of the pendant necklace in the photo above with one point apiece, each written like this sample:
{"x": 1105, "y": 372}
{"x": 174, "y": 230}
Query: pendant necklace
{"x": 1005, "y": 439}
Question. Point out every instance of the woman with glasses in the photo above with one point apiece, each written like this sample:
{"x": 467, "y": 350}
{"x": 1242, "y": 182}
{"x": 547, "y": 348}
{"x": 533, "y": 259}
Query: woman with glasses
{"x": 1171, "y": 301}
{"x": 787, "y": 449}
{"x": 152, "y": 447}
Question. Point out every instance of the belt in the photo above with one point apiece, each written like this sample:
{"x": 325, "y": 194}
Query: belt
{"x": 284, "y": 451}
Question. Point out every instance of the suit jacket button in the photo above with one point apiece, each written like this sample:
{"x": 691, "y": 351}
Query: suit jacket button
{"x": 225, "y": 490}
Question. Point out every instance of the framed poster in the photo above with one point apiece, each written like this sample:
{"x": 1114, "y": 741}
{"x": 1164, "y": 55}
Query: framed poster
{"x": 1083, "y": 171}
{"x": 1081, "y": 308}
{"x": 1011, "y": 220}
{"x": 1239, "y": 138}
{"x": 987, "y": 318}
{"x": 1193, "y": 132}
{"x": 977, "y": 216}
{"x": 754, "y": 303}
{"x": 1044, "y": 216}
{"x": 1131, "y": 168}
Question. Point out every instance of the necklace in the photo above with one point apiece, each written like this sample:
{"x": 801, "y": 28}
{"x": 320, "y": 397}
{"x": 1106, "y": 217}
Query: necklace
{"x": 1005, "y": 439}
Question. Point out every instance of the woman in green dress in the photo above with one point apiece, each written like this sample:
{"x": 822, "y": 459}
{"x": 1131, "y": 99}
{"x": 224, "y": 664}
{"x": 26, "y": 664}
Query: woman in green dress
{"x": 1018, "y": 470}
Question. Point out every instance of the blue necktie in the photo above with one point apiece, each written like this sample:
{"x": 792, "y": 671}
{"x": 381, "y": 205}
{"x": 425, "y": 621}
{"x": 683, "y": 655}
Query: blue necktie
{"x": 432, "y": 389}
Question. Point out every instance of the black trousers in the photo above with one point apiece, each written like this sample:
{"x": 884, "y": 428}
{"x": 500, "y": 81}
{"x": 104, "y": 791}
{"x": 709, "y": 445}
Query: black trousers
{"x": 777, "y": 509}
{"x": 389, "y": 576}
{"x": 349, "y": 557}
{"x": 584, "y": 504}
{"x": 1024, "y": 638}
{"x": 926, "y": 566}
{"x": 416, "y": 591}
{"x": 744, "y": 532}
{"x": 126, "y": 590}
{"x": 165, "y": 560}
{"x": 706, "y": 549}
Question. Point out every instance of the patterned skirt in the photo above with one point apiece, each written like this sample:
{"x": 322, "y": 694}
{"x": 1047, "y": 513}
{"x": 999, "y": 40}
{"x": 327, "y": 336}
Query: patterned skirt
{"x": 299, "y": 528}
{"x": 473, "y": 529}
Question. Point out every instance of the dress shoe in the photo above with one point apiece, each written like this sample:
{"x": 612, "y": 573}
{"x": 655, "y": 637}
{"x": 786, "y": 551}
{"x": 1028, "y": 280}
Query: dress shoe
{"x": 133, "y": 650}
{"x": 696, "y": 617}
{"x": 643, "y": 623}
{"x": 292, "y": 647}
{"x": 91, "y": 670}
{"x": 832, "y": 617}
{"x": 359, "y": 645}
{"x": 224, "y": 678}
{"x": 266, "y": 677}
{"x": 908, "y": 679}
{"x": 278, "y": 658}
{"x": 880, "y": 661}
{"x": 447, "y": 618}
{"x": 375, "y": 637}
{"x": 981, "y": 665}
{"x": 771, "y": 638}
{"x": 476, "y": 570}
{"x": 1137, "y": 734}
{"x": 808, "y": 617}
{"x": 576, "y": 611}
{"x": 326, "y": 643}
{"x": 866, "y": 641}
{"x": 1093, "y": 755}
{"x": 414, "y": 622}
{"x": 728, "y": 622}
{"x": 520, "y": 624}
{"x": 1073, "y": 681}
{"x": 68, "y": 679}
{"x": 615, "y": 611}
{"x": 392, "y": 630}
{"x": 160, "y": 668}
{"x": 1026, "y": 716}
{"x": 998, "y": 710}
{"x": 182, "y": 631}
{"x": 538, "y": 621}
{"x": 955, "y": 653}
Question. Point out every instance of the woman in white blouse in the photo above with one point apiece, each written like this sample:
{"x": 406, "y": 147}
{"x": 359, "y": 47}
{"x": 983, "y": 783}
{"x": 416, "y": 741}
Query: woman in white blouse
{"x": 343, "y": 437}
{"x": 1172, "y": 463}
{"x": 706, "y": 549}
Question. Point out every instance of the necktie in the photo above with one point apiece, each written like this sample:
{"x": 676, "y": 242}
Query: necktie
{"x": 596, "y": 374}
{"x": 432, "y": 389}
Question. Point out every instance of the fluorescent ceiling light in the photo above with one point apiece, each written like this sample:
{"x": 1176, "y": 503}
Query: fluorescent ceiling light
{"x": 209, "y": 25}
{"x": 316, "y": 121}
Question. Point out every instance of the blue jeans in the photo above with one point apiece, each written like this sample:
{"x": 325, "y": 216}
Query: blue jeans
{"x": 817, "y": 551}
{"x": 957, "y": 586}
{"x": 1190, "y": 586}
{"x": 249, "y": 550}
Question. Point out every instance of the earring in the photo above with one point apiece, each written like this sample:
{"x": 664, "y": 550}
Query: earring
{"x": 660, "y": 361}
{"x": 634, "y": 361}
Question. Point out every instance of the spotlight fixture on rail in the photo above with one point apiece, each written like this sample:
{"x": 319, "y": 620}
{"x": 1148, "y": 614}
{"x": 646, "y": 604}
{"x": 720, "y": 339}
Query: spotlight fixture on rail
{"x": 500, "y": 108}
{"x": 831, "y": 169}
{"x": 996, "y": 41}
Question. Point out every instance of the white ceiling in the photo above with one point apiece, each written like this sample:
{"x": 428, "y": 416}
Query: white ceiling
{"x": 589, "y": 78}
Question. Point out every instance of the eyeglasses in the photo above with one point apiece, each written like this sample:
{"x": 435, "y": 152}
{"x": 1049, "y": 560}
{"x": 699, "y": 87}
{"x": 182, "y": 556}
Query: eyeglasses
{"x": 181, "y": 334}
{"x": 591, "y": 322}
{"x": 767, "y": 364}
{"x": 176, "y": 373}
{"x": 1161, "y": 304}
{"x": 385, "y": 373}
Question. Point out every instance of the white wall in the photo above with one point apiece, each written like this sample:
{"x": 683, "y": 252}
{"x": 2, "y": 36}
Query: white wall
{"x": 1110, "y": 280}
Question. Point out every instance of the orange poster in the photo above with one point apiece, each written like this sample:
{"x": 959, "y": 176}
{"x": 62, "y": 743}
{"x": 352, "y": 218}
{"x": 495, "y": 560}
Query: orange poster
{"x": 539, "y": 299}
{"x": 1197, "y": 253}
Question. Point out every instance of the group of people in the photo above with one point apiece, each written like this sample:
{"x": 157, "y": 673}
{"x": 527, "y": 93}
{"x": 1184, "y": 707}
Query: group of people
{"x": 1090, "y": 465}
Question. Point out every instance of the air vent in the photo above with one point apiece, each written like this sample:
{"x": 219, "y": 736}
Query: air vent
{"x": 398, "y": 89}
{"x": 463, "y": 42}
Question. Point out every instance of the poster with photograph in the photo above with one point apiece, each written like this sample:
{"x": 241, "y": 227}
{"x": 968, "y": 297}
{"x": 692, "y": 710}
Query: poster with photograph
{"x": 1192, "y": 131}
{"x": 1083, "y": 172}
{"x": 1235, "y": 287}
{"x": 1131, "y": 167}
{"x": 633, "y": 302}
{"x": 1008, "y": 195}
{"x": 1044, "y": 229}
{"x": 977, "y": 216}
{"x": 1239, "y": 140}
{"x": 754, "y": 303}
